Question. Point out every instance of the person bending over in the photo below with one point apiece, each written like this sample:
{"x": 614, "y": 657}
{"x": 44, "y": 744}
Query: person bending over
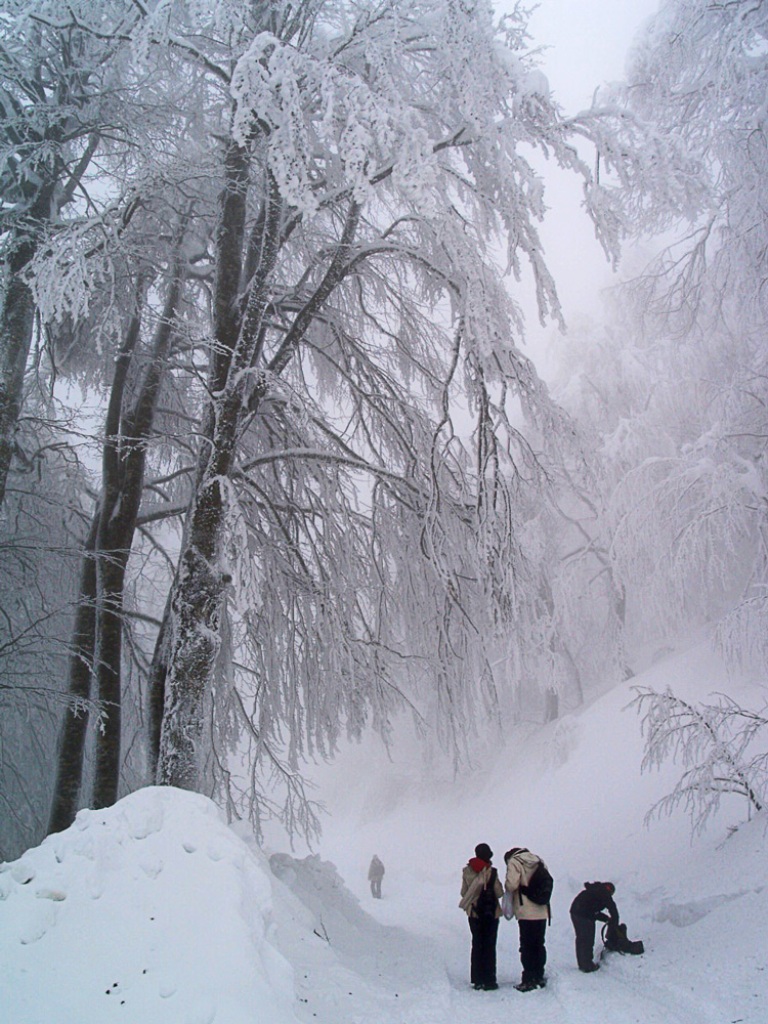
{"x": 588, "y": 907}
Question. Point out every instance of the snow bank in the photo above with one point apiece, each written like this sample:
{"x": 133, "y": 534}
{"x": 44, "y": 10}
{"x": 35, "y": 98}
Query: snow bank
{"x": 150, "y": 911}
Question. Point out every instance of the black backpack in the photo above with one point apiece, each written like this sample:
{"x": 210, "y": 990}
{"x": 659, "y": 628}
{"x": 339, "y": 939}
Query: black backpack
{"x": 540, "y": 885}
{"x": 487, "y": 902}
{"x": 615, "y": 939}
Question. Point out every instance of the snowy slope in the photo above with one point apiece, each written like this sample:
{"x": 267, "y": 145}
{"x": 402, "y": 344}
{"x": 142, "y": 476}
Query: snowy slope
{"x": 155, "y": 911}
{"x": 573, "y": 792}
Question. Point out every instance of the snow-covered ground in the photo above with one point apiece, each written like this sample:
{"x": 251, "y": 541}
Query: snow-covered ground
{"x": 156, "y": 912}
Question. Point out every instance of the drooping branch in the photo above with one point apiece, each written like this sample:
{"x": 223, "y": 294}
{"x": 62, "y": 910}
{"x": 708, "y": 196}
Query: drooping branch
{"x": 713, "y": 741}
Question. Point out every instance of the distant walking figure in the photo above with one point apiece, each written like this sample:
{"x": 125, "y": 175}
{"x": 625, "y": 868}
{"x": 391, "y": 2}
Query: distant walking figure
{"x": 588, "y": 907}
{"x": 480, "y": 894}
{"x": 375, "y": 875}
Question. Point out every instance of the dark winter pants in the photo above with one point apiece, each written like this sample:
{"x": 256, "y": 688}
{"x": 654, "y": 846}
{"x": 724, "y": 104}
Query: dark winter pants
{"x": 533, "y": 952}
{"x": 585, "y": 940}
{"x": 483, "y": 957}
{"x": 376, "y": 888}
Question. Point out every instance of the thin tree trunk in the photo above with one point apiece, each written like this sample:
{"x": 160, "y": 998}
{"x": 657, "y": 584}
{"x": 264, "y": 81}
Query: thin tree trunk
{"x": 16, "y": 328}
{"x": 97, "y": 643}
{"x": 74, "y": 728}
{"x": 111, "y": 575}
{"x": 125, "y": 455}
{"x": 158, "y": 674}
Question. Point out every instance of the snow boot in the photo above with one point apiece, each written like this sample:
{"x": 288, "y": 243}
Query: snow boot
{"x": 529, "y": 986}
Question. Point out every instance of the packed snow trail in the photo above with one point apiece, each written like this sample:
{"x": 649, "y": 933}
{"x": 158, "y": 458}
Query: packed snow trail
{"x": 572, "y": 792}
{"x": 411, "y": 966}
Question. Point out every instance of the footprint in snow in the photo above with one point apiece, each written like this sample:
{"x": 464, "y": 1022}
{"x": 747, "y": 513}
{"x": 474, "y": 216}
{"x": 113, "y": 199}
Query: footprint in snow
{"x": 684, "y": 914}
{"x": 22, "y": 873}
{"x": 37, "y": 924}
{"x": 151, "y": 866}
{"x": 51, "y": 894}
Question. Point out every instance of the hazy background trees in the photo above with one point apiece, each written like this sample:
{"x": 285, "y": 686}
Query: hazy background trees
{"x": 675, "y": 389}
{"x": 294, "y": 473}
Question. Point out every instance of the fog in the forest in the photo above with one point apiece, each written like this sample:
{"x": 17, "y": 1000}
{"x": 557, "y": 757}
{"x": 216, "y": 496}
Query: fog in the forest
{"x": 365, "y": 368}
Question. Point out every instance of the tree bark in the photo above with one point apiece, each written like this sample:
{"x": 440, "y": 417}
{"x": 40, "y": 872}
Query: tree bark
{"x": 125, "y": 456}
{"x": 158, "y": 674}
{"x": 74, "y": 728}
{"x": 17, "y": 321}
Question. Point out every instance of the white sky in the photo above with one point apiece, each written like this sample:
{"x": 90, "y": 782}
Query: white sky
{"x": 587, "y": 42}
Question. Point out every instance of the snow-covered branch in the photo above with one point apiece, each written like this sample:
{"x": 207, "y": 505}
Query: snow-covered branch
{"x": 721, "y": 746}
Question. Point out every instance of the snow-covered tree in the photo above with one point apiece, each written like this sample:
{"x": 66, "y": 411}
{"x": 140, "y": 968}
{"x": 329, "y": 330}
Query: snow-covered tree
{"x": 104, "y": 282}
{"x": 62, "y": 102}
{"x": 360, "y": 447}
{"x": 367, "y": 451}
{"x": 96, "y": 658}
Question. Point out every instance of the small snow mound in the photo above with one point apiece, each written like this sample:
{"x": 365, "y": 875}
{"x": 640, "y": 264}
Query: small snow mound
{"x": 333, "y": 911}
{"x": 318, "y": 884}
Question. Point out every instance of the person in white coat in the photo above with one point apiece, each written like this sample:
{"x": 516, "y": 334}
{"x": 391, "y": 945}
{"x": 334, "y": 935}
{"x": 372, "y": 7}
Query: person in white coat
{"x": 532, "y": 918}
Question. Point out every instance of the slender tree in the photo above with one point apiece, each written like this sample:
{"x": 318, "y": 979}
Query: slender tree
{"x": 97, "y": 643}
{"x": 59, "y": 109}
{"x": 721, "y": 746}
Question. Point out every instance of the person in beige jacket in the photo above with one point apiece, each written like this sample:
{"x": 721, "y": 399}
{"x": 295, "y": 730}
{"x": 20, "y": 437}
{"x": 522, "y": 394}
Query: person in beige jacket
{"x": 480, "y": 893}
{"x": 532, "y": 918}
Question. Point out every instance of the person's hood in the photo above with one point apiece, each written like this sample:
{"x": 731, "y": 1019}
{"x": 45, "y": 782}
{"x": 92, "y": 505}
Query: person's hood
{"x": 477, "y": 864}
{"x": 526, "y": 858}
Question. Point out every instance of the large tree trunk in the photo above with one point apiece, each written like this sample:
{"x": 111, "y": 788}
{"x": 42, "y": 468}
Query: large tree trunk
{"x": 196, "y": 640}
{"x": 198, "y": 592}
{"x": 199, "y": 589}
